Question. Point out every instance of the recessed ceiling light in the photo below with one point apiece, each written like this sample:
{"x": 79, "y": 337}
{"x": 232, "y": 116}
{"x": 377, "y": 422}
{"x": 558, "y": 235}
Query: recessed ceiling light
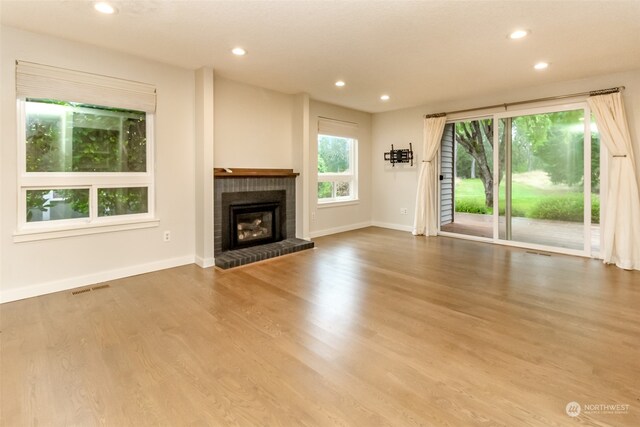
{"x": 384, "y": 98}
{"x": 541, "y": 65}
{"x": 340, "y": 83}
{"x": 105, "y": 8}
{"x": 238, "y": 51}
{"x": 518, "y": 34}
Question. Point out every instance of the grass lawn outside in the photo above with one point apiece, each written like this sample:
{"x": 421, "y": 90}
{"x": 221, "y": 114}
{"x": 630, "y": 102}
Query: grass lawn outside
{"x": 531, "y": 194}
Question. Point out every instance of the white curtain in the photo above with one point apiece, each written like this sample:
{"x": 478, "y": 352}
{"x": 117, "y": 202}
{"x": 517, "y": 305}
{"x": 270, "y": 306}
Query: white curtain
{"x": 621, "y": 228}
{"x": 426, "y": 217}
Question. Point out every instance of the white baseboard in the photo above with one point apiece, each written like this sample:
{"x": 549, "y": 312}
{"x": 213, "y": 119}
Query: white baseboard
{"x": 399, "y": 227}
{"x": 340, "y": 229}
{"x": 91, "y": 279}
{"x": 205, "y": 262}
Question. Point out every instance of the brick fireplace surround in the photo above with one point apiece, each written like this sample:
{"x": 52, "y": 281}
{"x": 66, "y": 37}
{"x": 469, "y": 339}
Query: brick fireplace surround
{"x": 240, "y": 181}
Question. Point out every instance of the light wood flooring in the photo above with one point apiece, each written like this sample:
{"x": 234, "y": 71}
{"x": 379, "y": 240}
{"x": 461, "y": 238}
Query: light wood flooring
{"x": 373, "y": 327}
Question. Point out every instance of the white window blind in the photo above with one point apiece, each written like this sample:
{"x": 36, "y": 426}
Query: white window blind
{"x": 46, "y": 82}
{"x": 337, "y": 128}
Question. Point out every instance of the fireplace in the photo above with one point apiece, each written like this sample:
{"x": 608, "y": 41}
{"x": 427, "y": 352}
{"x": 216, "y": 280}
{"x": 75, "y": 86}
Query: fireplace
{"x": 251, "y": 218}
{"x": 254, "y": 224}
{"x": 254, "y": 216}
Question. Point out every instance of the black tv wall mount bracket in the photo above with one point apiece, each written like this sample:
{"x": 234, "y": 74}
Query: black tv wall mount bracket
{"x": 399, "y": 155}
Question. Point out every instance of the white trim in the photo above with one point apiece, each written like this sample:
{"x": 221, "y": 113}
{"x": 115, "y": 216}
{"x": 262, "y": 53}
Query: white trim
{"x": 469, "y": 237}
{"x": 303, "y": 185}
{"x": 205, "y": 262}
{"x": 469, "y": 119}
{"x": 57, "y": 233}
{"x": 550, "y": 249}
{"x": 340, "y": 229}
{"x": 496, "y": 179}
{"x": 514, "y": 244}
{"x": 399, "y": 227}
{"x": 555, "y": 108}
{"x": 586, "y": 180}
{"x": 337, "y": 203}
{"x": 90, "y": 279}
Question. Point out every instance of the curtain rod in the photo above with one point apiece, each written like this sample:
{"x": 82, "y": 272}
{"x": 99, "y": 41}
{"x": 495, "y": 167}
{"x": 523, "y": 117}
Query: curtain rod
{"x": 528, "y": 101}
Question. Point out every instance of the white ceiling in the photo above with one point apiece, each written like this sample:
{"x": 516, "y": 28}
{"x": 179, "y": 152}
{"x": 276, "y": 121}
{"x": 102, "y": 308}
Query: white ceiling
{"x": 418, "y": 52}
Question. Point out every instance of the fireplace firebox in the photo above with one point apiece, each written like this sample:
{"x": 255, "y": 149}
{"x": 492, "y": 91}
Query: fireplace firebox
{"x": 254, "y": 224}
{"x": 253, "y": 218}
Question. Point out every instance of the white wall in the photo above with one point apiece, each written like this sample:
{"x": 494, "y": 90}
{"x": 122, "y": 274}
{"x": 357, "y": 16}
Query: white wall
{"x": 396, "y": 188}
{"x": 333, "y": 219}
{"x": 253, "y": 126}
{"x": 43, "y": 266}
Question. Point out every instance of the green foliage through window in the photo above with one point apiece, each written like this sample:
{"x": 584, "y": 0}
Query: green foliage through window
{"x": 43, "y": 143}
{"x": 325, "y": 190}
{"x": 122, "y": 201}
{"x": 50, "y": 205}
{"x": 333, "y": 154}
{"x": 554, "y": 143}
{"x": 69, "y": 137}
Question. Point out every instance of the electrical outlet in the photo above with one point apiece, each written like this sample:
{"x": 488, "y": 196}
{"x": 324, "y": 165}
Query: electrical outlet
{"x": 166, "y": 236}
{"x": 403, "y": 211}
{"x": 313, "y": 216}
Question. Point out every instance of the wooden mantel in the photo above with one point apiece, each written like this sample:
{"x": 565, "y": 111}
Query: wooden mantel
{"x": 253, "y": 173}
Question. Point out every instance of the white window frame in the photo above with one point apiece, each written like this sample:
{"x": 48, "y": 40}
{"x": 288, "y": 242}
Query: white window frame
{"x": 339, "y": 129}
{"x": 30, "y": 231}
{"x": 350, "y": 175}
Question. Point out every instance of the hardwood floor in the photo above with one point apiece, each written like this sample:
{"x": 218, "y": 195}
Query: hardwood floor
{"x": 373, "y": 327}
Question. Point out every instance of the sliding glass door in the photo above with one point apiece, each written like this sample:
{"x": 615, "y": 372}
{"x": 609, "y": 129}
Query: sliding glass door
{"x": 466, "y": 178}
{"x": 543, "y": 183}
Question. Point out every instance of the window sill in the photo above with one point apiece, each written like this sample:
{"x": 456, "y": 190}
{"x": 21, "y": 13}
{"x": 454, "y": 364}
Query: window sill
{"x": 70, "y": 231}
{"x": 336, "y": 204}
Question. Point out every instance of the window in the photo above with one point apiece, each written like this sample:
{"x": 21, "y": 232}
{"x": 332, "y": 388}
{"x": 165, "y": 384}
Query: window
{"x": 337, "y": 161}
{"x": 82, "y": 165}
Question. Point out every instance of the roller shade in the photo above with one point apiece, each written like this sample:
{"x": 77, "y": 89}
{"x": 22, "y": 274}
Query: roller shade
{"x": 337, "y": 128}
{"x": 46, "y": 82}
